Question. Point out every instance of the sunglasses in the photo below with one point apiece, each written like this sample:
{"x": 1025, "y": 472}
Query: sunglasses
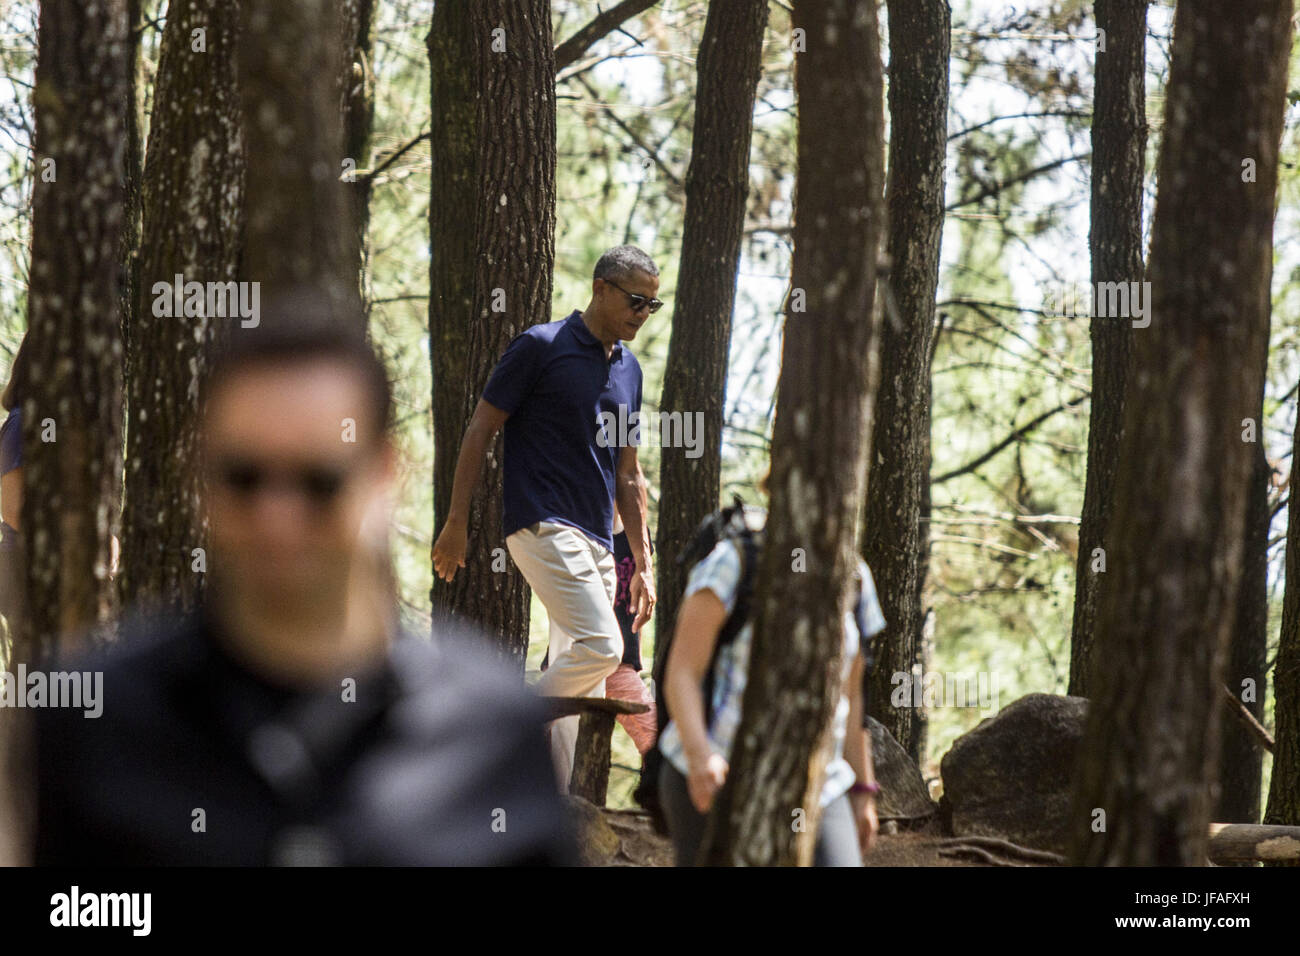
{"x": 319, "y": 483}
{"x": 638, "y": 302}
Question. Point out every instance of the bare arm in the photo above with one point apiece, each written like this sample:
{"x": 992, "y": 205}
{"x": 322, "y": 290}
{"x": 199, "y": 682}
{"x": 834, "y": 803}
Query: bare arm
{"x": 449, "y": 549}
{"x": 630, "y": 495}
{"x": 857, "y": 751}
{"x": 11, "y": 497}
{"x": 699, "y": 621}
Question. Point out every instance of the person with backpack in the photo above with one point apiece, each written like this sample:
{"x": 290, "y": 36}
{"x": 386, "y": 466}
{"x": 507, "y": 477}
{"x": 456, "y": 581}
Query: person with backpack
{"x": 704, "y": 683}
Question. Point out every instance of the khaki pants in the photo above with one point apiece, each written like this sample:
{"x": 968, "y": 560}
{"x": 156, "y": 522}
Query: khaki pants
{"x": 575, "y": 580}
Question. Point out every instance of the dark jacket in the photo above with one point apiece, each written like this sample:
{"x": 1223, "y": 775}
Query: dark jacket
{"x": 439, "y": 760}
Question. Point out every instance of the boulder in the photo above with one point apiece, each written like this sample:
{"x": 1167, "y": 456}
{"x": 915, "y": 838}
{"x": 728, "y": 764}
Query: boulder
{"x": 903, "y": 793}
{"x": 616, "y": 837}
{"x": 1011, "y": 776}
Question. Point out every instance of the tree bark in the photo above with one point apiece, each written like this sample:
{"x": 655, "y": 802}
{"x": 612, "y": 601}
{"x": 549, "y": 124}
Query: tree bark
{"x": 133, "y": 173}
{"x": 1283, "y": 806}
{"x": 1119, "y": 137}
{"x": 1183, "y": 476}
{"x": 1241, "y": 762}
{"x": 193, "y": 223}
{"x": 357, "y": 105}
{"x": 695, "y": 376}
{"x": 492, "y": 229}
{"x": 895, "y": 533}
{"x": 72, "y": 416}
{"x": 821, "y": 433}
{"x": 300, "y": 229}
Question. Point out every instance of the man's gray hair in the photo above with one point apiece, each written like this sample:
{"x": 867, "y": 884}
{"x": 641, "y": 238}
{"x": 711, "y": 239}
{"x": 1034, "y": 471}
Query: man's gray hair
{"x": 621, "y": 262}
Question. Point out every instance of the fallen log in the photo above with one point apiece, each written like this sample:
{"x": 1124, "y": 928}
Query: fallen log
{"x": 1249, "y": 842}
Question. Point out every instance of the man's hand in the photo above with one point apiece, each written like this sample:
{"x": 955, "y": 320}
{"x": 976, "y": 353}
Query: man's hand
{"x": 864, "y": 815}
{"x": 705, "y": 780}
{"x": 449, "y": 549}
{"x": 641, "y": 597}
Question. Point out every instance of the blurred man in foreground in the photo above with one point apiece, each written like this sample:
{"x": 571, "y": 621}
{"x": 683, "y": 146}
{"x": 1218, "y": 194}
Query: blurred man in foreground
{"x": 289, "y": 721}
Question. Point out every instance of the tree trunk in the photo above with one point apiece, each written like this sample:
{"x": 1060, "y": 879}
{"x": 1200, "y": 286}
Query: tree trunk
{"x": 492, "y": 229}
{"x": 193, "y": 221}
{"x": 1183, "y": 475}
{"x": 299, "y": 229}
{"x": 1241, "y": 762}
{"x": 1283, "y": 807}
{"x": 72, "y": 416}
{"x": 1119, "y": 137}
{"x": 895, "y": 537}
{"x": 357, "y": 102}
{"x": 133, "y": 172}
{"x": 821, "y": 433}
{"x": 695, "y": 377}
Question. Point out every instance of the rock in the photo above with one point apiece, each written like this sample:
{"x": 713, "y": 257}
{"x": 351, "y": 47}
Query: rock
{"x": 903, "y": 793}
{"x": 616, "y": 837}
{"x": 639, "y": 843}
{"x": 1011, "y": 776}
{"x": 598, "y": 844}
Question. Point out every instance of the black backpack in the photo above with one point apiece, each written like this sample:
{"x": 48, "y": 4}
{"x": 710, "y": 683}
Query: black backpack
{"x": 742, "y": 524}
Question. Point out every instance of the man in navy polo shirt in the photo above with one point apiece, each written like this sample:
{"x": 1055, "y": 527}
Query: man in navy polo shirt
{"x": 569, "y": 395}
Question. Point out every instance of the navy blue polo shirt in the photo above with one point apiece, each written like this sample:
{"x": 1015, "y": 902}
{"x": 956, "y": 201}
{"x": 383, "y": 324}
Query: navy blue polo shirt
{"x": 556, "y": 384}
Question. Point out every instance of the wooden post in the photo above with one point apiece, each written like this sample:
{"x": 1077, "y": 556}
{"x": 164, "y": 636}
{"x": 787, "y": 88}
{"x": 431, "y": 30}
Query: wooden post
{"x": 590, "y": 777}
{"x": 591, "y": 757}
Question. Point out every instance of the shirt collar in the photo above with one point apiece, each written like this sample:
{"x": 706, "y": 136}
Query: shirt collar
{"x": 584, "y": 334}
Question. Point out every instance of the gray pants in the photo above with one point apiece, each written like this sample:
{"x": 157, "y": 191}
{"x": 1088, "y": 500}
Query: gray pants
{"x": 837, "y": 834}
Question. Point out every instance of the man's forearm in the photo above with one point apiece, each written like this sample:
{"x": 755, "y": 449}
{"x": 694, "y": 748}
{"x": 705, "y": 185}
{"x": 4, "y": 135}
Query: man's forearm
{"x": 632, "y": 509}
{"x": 469, "y": 465}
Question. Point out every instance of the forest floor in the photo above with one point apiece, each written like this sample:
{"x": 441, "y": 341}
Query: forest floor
{"x": 921, "y": 846}
{"x": 913, "y": 848}
{"x": 626, "y": 838}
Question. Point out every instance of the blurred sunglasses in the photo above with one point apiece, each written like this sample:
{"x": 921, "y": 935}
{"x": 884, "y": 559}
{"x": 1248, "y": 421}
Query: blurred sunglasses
{"x": 319, "y": 483}
{"x": 638, "y": 302}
